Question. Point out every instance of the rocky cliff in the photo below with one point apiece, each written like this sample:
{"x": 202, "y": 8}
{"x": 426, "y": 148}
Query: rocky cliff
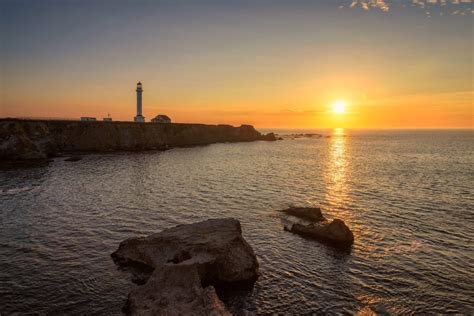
{"x": 28, "y": 139}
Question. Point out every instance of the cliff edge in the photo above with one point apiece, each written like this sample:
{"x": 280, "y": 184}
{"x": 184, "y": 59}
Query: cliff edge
{"x": 40, "y": 139}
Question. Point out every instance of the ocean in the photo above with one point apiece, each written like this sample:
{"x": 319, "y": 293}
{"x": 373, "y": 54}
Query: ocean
{"x": 407, "y": 195}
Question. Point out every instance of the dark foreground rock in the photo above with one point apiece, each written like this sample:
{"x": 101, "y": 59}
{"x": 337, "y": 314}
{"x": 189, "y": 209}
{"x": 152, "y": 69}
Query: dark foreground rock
{"x": 187, "y": 262}
{"x": 335, "y": 233}
{"x": 175, "y": 290}
{"x": 40, "y": 139}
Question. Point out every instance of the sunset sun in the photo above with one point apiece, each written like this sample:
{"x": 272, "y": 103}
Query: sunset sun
{"x": 232, "y": 138}
{"x": 339, "y": 107}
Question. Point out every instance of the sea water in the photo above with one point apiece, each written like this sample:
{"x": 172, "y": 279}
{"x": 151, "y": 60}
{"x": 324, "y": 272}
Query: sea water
{"x": 407, "y": 195}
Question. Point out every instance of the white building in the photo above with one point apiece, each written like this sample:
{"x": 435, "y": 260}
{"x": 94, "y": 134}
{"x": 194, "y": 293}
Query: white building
{"x": 161, "y": 119}
{"x": 88, "y": 119}
{"x": 139, "y": 117}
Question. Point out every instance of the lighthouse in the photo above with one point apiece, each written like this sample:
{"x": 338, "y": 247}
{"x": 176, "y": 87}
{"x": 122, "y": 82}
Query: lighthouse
{"x": 139, "y": 118}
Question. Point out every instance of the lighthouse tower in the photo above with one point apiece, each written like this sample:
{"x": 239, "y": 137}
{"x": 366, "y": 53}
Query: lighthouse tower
{"x": 139, "y": 118}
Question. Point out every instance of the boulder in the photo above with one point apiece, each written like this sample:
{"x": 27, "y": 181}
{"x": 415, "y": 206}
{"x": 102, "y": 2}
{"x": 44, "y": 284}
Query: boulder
{"x": 174, "y": 290}
{"x": 335, "y": 233}
{"x": 269, "y": 137}
{"x": 185, "y": 262}
{"x": 312, "y": 214}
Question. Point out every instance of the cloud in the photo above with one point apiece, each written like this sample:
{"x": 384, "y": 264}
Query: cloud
{"x": 445, "y": 7}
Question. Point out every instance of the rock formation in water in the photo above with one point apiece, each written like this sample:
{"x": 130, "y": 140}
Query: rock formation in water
{"x": 308, "y": 213}
{"x": 335, "y": 233}
{"x": 28, "y": 139}
{"x": 187, "y": 261}
{"x": 295, "y": 136}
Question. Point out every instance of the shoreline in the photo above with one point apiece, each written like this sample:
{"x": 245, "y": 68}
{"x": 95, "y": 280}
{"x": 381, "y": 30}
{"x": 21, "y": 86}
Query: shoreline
{"x": 39, "y": 140}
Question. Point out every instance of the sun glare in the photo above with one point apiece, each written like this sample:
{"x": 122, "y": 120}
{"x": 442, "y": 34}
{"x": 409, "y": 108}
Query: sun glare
{"x": 339, "y": 107}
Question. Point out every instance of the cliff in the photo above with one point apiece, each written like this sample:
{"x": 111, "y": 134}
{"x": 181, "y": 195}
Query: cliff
{"x": 35, "y": 139}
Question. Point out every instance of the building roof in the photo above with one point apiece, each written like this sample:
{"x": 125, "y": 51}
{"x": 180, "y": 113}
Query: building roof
{"x": 162, "y": 116}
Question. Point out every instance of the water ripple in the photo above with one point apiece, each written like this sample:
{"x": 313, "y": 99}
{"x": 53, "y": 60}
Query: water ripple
{"x": 407, "y": 196}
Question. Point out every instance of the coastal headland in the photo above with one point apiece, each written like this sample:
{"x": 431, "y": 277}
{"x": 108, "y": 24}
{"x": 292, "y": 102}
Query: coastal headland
{"x": 42, "y": 139}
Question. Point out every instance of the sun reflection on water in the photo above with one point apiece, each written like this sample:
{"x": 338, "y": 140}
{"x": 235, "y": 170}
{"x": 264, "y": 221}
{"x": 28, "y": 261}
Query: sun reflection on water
{"x": 339, "y": 201}
{"x": 336, "y": 170}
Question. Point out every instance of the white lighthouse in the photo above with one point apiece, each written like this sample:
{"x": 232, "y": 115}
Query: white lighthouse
{"x": 139, "y": 118}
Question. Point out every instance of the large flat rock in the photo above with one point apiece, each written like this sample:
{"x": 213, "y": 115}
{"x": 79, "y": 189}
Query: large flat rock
{"x": 187, "y": 260}
{"x": 175, "y": 290}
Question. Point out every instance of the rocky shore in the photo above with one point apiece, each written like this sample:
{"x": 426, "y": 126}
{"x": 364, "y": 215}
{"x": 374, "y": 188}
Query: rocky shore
{"x": 181, "y": 266}
{"x": 40, "y": 139}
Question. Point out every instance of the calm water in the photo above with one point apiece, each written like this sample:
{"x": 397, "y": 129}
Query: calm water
{"x": 408, "y": 196}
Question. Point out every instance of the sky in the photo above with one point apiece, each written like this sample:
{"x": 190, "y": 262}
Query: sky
{"x": 269, "y": 63}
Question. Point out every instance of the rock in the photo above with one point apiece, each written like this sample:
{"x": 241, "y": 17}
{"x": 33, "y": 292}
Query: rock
{"x": 335, "y": 233}
{"x": 24, "y": 142}
{"x": 269, "y": 137}
{"x": 73, "y": 158}
{"x": 295, "y": 136}
{"x": 308, "y": 213}
{"x": 175, "y": 290}
{"x": 185, "y": 261}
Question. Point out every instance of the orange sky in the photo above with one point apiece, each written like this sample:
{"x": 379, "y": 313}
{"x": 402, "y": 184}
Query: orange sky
{"x": 278, "y": 66}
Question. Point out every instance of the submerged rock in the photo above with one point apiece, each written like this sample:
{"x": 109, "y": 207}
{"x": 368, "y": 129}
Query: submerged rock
{"x": 73, "y": 158}
{"x": 187, "y": 261}
{"x": 308, "y": 213}
{"x": 335, "y": 233}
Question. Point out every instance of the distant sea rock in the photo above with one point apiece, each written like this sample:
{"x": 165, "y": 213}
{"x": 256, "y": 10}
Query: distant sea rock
{"x": 335, "y": 233}
{"x": 295, "y": 136}
{"x": 40, "y": 139}
{"x": 185, "y": 263}
{"x": 269, "y": 137}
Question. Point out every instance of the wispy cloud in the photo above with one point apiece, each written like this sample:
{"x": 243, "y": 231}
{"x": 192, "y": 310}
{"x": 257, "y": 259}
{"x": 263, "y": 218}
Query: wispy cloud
{"x": 443, "y": 7}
